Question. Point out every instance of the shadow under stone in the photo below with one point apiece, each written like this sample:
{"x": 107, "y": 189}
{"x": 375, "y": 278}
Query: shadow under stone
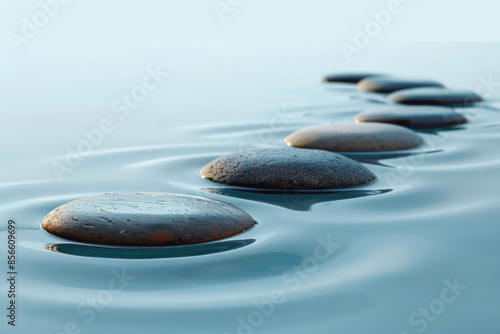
{"x": 148, "y": 252}
{"x": 490, "y": 107}
{"x": 294, "y": 200}
{"x": 436, "y": 131}
{"x": 374, "y": 158}
{"x": 378, "y": 98}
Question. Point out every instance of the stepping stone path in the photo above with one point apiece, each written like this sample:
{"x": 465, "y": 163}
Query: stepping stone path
{"x": 354, "y": 137}
{"x": 287, "y": 169}
{"x": 435, "y": 96}
{"x": 146, "y": 219}
{"x": 162, "y": 219}
{"x": 390, "y": 84}
{"x": 413, "y": 117}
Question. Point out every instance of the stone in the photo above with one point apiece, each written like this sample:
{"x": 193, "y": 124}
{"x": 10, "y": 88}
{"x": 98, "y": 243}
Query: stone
{"x": 435, "y": 96}
{"x": 146, "y": 219}
{"x": 287, "y": 169}
{"x": 413, "y": 117}
{"x": 348, "y": 77}
{"x": 354, "y": 137}
{"x": 390, "y": 84}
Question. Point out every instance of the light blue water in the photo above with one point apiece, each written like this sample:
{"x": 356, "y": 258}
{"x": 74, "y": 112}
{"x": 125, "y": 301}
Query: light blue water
{"x": 393, "y": 245}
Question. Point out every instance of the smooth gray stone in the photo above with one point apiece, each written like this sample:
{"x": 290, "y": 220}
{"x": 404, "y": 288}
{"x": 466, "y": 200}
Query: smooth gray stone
{"x": 287, "y": 169}
{"x": 413, "y": 117}
{"x": 348, "y": 77}
{"x": 146, "y": 219}
{"x": 435, "y": 96}
{"x": 354, "y": 137}
{"x": 391, "y": 84}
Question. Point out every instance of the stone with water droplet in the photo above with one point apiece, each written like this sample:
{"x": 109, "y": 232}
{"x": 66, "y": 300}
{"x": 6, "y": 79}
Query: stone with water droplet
{"x": 354, "y": 137}
{"x": 390, "y": 84}
{"x": 435, "y": 96}
{"x": 348, "y": 77}
{"x": 146, "y": 219}
{"x": 287, "y": 169}
{"x": 413, "y": 116}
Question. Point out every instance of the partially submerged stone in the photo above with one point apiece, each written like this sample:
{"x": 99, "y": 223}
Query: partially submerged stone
{"x": 287, "y": 169}
{"x": 435, "y": 96}
{"x": 348, "y": 77}
{"x": 383, "y": 84}
{"x": 146, "y": 219}
{"x": 413, "y": 117}
{"x": 354, "y": 137}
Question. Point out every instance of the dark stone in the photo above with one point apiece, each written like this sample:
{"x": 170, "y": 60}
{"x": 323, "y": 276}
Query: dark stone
{"x": 413, "y": 117}
{"x": 287, "y": 169}
{"x": 354, "y": 137}
{"x": 348, "y": 77}
{"x": 146, "y": 219}
{"x": 390, "y": 84}
{"x": 435, "y": 96}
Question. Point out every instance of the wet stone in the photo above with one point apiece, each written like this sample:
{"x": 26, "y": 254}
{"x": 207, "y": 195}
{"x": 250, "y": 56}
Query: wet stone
{"x": 348, "y": 77}
{"x": 435, "y": 96}
{"x": 146, "y": 219}
{"x": 391, "y": 84}
{"x": 354, "y": 137}
{"x": 413, "y": 117}
{"x": 287, "y": 169}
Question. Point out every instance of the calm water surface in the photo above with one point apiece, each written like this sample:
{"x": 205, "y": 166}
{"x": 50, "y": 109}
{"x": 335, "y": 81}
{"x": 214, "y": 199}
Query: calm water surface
{"x": 369, "y": 259}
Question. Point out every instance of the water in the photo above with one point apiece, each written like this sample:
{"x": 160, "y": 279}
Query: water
{"x": 354, "y": 260}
